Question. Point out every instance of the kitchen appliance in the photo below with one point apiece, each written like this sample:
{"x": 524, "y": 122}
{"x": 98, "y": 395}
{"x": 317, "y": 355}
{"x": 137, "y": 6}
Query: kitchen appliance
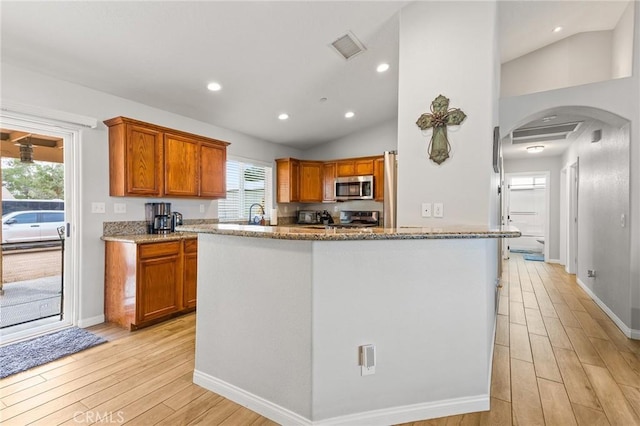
{"x": 390, "y": 203}
{"x": 358, "y": 219}
{"x": 159, "y": 218}
{"x": 308, "y": 217}
{"x": 177, "y": 220}
{"x": 325, "y": 218}
{"x": 354, "y": 188}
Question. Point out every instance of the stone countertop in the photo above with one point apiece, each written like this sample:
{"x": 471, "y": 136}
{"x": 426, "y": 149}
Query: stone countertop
{"x": 341, "y": 234}
{"x": 150, "y": 238}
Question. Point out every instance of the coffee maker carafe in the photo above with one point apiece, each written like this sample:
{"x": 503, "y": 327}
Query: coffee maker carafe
{"x": 159, "y": 218}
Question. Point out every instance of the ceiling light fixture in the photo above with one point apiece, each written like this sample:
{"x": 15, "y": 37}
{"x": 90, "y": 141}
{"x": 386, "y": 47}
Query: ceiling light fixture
{"x": 382, "y": 67}
{"x": 557, "y": 29}
{"x": 283, "y": 116}
{"x": 214, "y": 87}
{"x": 349, "y": 114}
{"x": 549, "y": 118}
{"x": 535, "y": 149}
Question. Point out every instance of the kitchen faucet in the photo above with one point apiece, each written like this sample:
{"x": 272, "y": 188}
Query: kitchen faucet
{"x": 251, "y": 221}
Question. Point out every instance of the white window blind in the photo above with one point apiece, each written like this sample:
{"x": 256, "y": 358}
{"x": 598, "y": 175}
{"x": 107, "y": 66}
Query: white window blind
{"x": 247, "y": 184}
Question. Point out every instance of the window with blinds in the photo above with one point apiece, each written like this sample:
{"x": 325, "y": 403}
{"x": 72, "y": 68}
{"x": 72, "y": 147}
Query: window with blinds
{"x": 247, "y": 184}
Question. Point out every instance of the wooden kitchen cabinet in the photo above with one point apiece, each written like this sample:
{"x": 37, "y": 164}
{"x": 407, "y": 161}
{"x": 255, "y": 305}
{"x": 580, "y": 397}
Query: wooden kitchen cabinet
{"x": 288, "y": 180}
{"x": 311, "y": 181}
{"x": 190, "y": 276}
{"x": 378, "y": 179}
{"x": 149, "y": 282}
{"x": 149, "y": 160}
{"x": 355, "y": 167}
{"x": 328, "y": 182}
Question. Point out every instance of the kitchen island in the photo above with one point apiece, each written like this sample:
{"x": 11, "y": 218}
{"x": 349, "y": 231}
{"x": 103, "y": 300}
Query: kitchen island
{"x": 283, "y": 311}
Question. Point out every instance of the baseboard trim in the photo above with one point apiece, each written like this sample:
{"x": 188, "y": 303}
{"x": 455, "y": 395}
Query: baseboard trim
{"x": 88, "y": 322}
{"x": 628, "y": 331}
{"x": 554, "y": 261}
{"x": 381, "y": 417}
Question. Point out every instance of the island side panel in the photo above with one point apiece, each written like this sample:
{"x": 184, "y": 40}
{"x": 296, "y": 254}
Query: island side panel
{"x": 253, "y": 328}
{"x": 428, "y": 314}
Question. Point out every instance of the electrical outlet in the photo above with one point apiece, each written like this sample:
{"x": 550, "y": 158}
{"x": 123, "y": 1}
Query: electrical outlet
{"x": 98, "y": 208}
{"x": 438, "y": 210}
{"x": 335, "y": 209}
{"x": 119, "y": 208}
{"x": 367, "y": 360}
{"x": 201, "y": 208}
{"x": 426, "y": 209}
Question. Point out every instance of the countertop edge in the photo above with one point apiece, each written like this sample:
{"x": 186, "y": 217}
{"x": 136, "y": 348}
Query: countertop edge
{"x": 150, "y": 238}
{"x": 306, "y": 234}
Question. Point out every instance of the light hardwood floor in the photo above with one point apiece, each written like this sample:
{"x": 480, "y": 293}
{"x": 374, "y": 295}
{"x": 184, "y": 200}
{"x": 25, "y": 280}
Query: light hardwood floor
{"x": 558, "y": 360}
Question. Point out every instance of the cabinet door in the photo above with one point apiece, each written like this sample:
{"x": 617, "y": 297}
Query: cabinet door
{"x": 378, "y": 179}
{"x": 213, "y": 171}
{"x": 328, "y": 181}
{"x": 181, "y": 160}
{"x": 363, "y": 167}
{"x": 143, "y": 161}
{"x": 190, "y": 265}
{"x": 310, "y": 181}
{"x": 159, "y": 280}
{"x": 345, "y": 168}
{"x": 287, "y": 176}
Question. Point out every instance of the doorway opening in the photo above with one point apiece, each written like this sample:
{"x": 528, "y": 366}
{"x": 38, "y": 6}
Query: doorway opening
{"x": 36, "y": 289}
{"x": 527, "y": 208}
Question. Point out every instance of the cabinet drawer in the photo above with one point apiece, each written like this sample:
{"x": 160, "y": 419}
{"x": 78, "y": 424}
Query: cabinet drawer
{"x": 191, "y": 246}
{"x": 159, "y": 249}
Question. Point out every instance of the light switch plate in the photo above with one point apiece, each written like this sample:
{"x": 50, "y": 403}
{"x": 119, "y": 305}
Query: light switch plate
{"x": 426, "y": 209}
{"x": 438, "y": 210}
{"x": 98, "y": 208}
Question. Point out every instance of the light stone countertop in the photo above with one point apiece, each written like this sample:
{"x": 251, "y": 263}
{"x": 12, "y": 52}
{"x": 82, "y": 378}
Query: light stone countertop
{"x": 342, "y": 234}
{"x": 149, "y": 238}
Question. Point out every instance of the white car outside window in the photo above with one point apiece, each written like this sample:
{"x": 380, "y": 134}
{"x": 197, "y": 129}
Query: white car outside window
{"x": 33, "y": 225}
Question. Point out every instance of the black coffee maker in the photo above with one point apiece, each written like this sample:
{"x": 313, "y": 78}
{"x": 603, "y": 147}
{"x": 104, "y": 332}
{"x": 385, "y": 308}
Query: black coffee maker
{"x": 159, "y": 218}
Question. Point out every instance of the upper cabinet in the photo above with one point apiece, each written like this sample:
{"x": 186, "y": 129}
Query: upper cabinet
{"x": 288, "y": 180}
{"x": 310, "y": 181}
{"x": 152, "y": 161}
{"x": 314, "y": 181}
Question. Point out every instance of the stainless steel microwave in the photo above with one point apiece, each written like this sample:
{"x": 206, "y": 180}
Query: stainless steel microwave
{"x": 354, "y": 188}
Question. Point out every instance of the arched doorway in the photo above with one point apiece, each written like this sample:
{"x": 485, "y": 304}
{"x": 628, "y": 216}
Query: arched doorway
{"x": 590, "y": 195}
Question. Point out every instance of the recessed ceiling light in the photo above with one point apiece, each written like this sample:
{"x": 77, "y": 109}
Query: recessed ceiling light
{"x": 214, "y": 87}
{"x": 535, "y": 149}
{"x": 557, "y": 29}
{"x": 349, "y": 114}
{"x": 382, "y": 67}
{"x": 283, "y": 116}
{"x": 549, "y": 118}
{"x": 323, "y": 99}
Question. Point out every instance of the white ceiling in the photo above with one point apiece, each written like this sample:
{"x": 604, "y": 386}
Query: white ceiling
{"x": 270, "y": 56}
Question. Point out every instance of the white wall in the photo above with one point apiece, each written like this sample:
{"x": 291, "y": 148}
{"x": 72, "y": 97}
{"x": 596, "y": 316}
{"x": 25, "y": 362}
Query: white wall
{"x": 26, "y": 87}
{"x": 460, "y": 66}
{"x": 373, "y": 141}
{"x": 554, "y": 166}
{"x": 579, "y": 59}
{"x": 622, "y": 44}
{"x": 603, "y": 197}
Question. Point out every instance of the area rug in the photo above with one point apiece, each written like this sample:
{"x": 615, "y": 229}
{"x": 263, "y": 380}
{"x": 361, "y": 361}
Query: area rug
{"x": 535, "y": 257}
{"x": 21, "y": 356}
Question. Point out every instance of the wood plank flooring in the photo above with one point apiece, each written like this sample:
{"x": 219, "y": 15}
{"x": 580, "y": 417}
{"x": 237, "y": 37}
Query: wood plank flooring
{"x": 558, "y": 360}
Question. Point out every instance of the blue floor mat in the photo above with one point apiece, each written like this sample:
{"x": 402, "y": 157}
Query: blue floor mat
{"x": 535, "y": 257}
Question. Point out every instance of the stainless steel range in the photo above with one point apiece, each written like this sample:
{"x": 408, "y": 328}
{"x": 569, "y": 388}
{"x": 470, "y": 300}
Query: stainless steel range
{"x": 358, "y": 219}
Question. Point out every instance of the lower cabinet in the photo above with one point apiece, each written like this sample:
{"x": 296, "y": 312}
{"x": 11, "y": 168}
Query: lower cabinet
{"x": 149, "y": 282}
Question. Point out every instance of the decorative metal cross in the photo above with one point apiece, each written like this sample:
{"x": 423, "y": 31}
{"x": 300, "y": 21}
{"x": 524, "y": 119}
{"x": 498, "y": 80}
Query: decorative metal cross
{"x": 439, "y": 118}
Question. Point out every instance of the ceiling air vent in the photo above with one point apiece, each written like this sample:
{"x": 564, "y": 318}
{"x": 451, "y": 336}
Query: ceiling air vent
{"x": 544, "y": 133}
{"x": 348, "y": 46}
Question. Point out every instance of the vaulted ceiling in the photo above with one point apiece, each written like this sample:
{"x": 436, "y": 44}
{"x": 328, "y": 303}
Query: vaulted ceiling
{"x": 270, "y": 57}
